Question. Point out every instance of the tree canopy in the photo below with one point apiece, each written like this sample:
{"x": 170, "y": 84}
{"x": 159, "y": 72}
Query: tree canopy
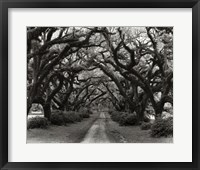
{"x": 125, "y": 68}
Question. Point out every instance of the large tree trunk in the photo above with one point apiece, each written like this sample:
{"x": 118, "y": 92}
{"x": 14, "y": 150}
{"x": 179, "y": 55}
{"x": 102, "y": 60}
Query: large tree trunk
{"x": 158, "y": 110}
{"x": 32, "y": 97}
{"x": 28, "y": 108}
{"x": 47, "y": 110}
{"x": 142, "y": 109}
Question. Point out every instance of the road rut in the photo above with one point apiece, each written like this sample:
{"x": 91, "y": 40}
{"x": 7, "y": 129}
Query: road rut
{"x": 97, "y": 132}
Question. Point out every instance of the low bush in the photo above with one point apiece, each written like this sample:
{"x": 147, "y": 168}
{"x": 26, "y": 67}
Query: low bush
{"x": 72, "y": 117}
{"x": 110, "y": 112}
{"x": 146, "y": 125}
{"x": 162, "y": 127}
{"x": 37, "y": 122}
{"x": 57, "y": 118}
{"x": 128, "y": 119}
{"x": 63, "y": 118}
{"x": 116, "y": 116}
{"x": 90, "y": 111}
{"x": 124, "y": 118}
{"x": 84, "y": 114}
{"x": 77, "y": 117}
{"x": 85, "y": 111}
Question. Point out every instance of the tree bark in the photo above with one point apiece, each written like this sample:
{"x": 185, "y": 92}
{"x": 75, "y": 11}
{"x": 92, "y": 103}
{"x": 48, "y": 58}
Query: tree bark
{"x": 47, "y": 110}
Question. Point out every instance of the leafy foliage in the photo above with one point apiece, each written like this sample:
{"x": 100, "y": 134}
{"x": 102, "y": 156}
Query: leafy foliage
{"x": 37, "y": 122}
{"x": 66, "y": 117}
{"x": 116, "y": 116}
{"x": 128, "y": 119}
{"x": 126, "y": 68}
{"x": 162, "y": 127}
{"x": 72, "y": 117}
{"x": 124, "y": 118}
{"x": 57, "y": 118}
{"x": 145, "y": 125}
{"x": 85, "y": 112}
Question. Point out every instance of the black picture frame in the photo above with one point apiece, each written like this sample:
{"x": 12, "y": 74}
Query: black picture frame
{"x": 6, "y": 4}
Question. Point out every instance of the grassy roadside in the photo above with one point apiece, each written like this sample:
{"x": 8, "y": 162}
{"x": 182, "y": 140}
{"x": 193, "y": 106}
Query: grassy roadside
{"x": 72, "y": 133}
{"x": 131, "y": 134}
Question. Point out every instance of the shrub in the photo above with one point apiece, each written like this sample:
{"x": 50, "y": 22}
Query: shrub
{"x": 37, "y": 122}
{"x": 57, "y": 111}
{"x": 62, "y": 118}
{"x": 77, "y": 117}
{"x": 57, "y": 118}
{"x": 128, "y": 119}
{"x": 90, "y": 111}
{"x": 110, "y": 112}
{"x": 162, "y": 127}
{"x": 84, "y": 114}
{"x": 124, "y": 118}
{"x": 145, "y": 126}
{"x": 85, "y": 111}
{"x": 116, "y": 116}
{"x": 72, "y": 117}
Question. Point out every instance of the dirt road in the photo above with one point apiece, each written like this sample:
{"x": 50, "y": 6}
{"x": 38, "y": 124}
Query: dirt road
{"x": 97, "y": 132}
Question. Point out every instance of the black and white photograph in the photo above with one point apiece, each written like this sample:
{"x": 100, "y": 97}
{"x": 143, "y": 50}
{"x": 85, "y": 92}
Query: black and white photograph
{"x": 105, "y": 84}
